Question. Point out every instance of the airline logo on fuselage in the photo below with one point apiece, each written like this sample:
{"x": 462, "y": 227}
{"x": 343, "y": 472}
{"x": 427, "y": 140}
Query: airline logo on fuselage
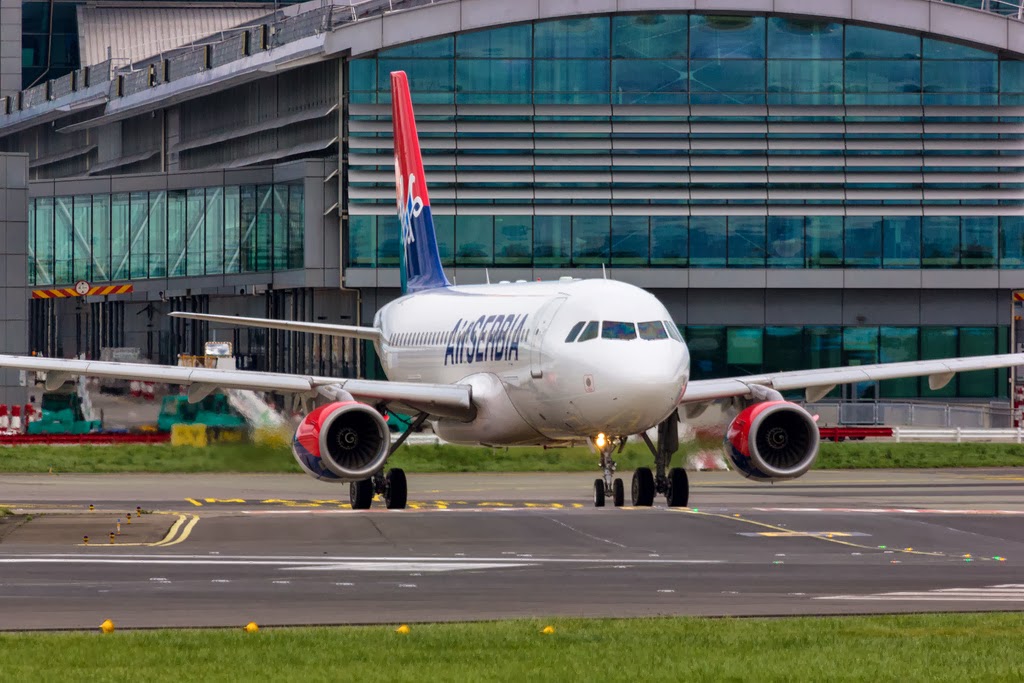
{"x": 488, "y": 338}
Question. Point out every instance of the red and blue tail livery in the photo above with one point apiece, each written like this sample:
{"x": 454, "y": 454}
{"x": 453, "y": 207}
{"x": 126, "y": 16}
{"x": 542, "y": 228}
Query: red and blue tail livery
{"x": 420, "y": 261}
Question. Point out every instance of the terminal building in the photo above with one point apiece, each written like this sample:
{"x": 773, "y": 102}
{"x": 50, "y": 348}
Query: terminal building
{"x": 802, "y": 183}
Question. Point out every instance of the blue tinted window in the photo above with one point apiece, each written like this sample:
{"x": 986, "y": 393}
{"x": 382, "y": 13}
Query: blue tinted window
{"x": 658, "y": 36}
{"x": 727, "y": 76}
{"x": 499, "y": 43}
{"x": 362, "y": 74}
{"x": 707, "y": 241}
{"x": 901, "y": 240}
{"x": 940, "y": 241}
{"x": 552, "y": 240}
{"x": 512, "y": 240}
{"x": 474, "y": 240}
{"x": 492, "y": 75}
{"x": 630, "y": 240}
{"x": 1011, "y": 245}
{"x": 571, "y": 38}
{"x": 669, "y": 240}
{"x": 362, "y": 240}
{"x": 590, "y": 240}
{"x": 872, "y": 43}
{"x": 805, "y": 76}
{"x": 979, "y": 241}
{"x": 570, "y": 75}
{"x": 785, "y": 242}
{"x": 629, "y": 76}
{"x": 727, "y": 37}
{"x": 1011, "y": 77}
{"x": 863, "y": 247}
{"x": 883, "y": 76}
{"x": 804, "y": 38}
{"x": 746, "y": 241}
{"x": 942, "y": 49}
{"x": 824, "y": 242}
{"x": 960, "y": 77}
{"x": 430, "y": 49}
{"x": 424, "y": 75}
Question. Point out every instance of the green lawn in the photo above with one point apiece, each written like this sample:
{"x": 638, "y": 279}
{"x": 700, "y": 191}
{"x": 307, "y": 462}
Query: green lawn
{"x": 247, "y": 458}
{"x": 977, "y": 647}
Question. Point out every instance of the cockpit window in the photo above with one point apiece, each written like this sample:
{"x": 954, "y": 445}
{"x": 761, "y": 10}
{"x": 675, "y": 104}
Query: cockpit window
{"x": 617, "y": 330}
{"x": 589, "y": 332}
{"x": 652, "y": 330}
{"x": 573, "y": 332}
{"x": 673, "y": 331}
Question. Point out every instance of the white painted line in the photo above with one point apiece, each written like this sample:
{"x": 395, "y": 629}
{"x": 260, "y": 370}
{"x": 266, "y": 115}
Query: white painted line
{"x": 902, "y": 511}
{"x": 279, "y": 560}
{"x": 403, "y": 566}
{"x": 982, "y": 594}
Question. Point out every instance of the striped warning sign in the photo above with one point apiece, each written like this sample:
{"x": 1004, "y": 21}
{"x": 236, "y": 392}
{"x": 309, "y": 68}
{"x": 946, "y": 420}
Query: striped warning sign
{"x": 69, "y": 292}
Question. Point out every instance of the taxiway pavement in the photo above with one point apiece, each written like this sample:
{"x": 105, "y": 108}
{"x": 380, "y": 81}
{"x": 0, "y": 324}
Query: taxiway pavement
{"x": 228, "y": 549}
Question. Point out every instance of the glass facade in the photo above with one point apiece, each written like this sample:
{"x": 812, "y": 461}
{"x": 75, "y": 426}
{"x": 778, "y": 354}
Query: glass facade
{"x": 176, "y": 233}
{"x": 907, "y": 242}
{"x": 692, "y": 140}
{"x": 720, "y": 351}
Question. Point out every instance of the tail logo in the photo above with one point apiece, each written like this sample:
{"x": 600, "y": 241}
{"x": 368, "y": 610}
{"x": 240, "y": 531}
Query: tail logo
{"x": 409, "y": 206}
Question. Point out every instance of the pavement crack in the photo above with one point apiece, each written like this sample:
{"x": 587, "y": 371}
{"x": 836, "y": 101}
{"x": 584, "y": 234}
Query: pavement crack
{"x": 590, "y": 536}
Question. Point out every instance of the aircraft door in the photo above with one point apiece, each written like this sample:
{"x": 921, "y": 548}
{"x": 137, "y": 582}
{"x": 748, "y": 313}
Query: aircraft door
{"x": 538, "y": 328}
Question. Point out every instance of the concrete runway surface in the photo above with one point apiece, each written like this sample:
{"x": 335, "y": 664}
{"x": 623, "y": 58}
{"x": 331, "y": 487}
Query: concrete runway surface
{"x": 228, "y": 549}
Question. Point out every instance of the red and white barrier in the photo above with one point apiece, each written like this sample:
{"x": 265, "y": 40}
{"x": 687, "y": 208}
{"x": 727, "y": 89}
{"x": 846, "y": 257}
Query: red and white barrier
{"x": 135, "y": 387}
{"x": 147, "y": 391}
{"x": 5, "y": 419}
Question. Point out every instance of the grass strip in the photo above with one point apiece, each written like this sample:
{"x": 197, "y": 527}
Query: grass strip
{"x": 935, "y": 647}
{"x": 244, "y": 458}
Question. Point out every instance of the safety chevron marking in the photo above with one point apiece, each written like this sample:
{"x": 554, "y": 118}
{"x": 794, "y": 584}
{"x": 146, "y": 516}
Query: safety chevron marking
{"x": 70, "y": 292}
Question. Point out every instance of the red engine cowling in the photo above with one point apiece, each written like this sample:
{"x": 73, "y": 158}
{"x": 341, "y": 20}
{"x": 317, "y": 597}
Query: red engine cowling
{"x": 772, "y": 440}
{"x": 342, "y": 442}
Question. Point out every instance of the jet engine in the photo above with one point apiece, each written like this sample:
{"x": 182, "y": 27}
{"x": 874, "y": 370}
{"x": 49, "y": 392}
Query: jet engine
{"x": 772, "y": 440}
{"x": 342, "y": 442}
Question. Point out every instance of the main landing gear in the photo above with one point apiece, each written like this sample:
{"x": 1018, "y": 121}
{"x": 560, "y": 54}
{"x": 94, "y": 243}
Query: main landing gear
{"x": 672, "y": 482}
{"x": 391, "y": 486}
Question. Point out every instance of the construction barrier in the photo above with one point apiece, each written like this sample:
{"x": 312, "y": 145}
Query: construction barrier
{"x": 95, "y": 438}
{"x": 189, "y": 435}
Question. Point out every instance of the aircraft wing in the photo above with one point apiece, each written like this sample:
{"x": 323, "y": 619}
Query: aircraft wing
{"x": 818, "y": 383}
{"x": 371, "y": 333}
{"x": 440, "y": 400}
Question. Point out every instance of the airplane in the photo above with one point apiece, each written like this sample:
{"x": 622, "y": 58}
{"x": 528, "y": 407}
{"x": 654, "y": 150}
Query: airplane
{"x": 545, "y": 363}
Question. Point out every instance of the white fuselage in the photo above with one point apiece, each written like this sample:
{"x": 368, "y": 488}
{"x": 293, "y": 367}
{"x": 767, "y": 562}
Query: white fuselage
{"x": 530, "y": 385}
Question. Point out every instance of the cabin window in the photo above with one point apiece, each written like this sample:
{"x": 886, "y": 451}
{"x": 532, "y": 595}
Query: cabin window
{"x": 589, "y": 332}
{"x": 611, "y": 329}
{"x": 652, "y": 330}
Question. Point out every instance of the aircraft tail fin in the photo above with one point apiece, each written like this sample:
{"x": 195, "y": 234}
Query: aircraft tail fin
{"x": 420, "y": 261}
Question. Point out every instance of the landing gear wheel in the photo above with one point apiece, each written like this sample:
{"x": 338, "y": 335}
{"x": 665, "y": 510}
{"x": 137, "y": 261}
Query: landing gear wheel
{"x": 678, "y": 494}
{"x": 599, "y": 493}
{"x": 360, "y": 494}
{"x": 643, "y": 487}
{"x": 618, "y": 493}
{"x": 396, "y": 491}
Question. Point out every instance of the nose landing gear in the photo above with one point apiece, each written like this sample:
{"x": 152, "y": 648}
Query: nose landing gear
{"x": 609, "y": 486}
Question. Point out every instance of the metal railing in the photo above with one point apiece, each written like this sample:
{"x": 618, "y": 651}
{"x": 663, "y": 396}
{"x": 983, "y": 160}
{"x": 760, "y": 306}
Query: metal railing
{"x": 957, "y": 435}
{"x": 914, "y": 414}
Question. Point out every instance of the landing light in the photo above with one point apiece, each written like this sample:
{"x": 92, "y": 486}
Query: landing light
{"x": 600, "y": 441}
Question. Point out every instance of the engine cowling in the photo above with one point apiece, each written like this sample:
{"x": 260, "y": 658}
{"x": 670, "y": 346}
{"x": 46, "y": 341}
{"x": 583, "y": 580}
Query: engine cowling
{"x": 772, "y": 440}
{"x": 342, "y": 442}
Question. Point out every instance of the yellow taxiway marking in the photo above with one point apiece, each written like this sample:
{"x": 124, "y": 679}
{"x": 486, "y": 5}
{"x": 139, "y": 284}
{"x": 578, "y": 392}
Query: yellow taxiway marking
{"x": 194, "y": 502}
{"x": 183, "y": 524}
{"x": 778, "y": 529}
{"x": 412, "y": 504}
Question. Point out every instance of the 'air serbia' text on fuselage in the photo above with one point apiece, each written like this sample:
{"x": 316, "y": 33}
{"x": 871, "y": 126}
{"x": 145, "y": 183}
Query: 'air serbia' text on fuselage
{"x": 488, "y": 338}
